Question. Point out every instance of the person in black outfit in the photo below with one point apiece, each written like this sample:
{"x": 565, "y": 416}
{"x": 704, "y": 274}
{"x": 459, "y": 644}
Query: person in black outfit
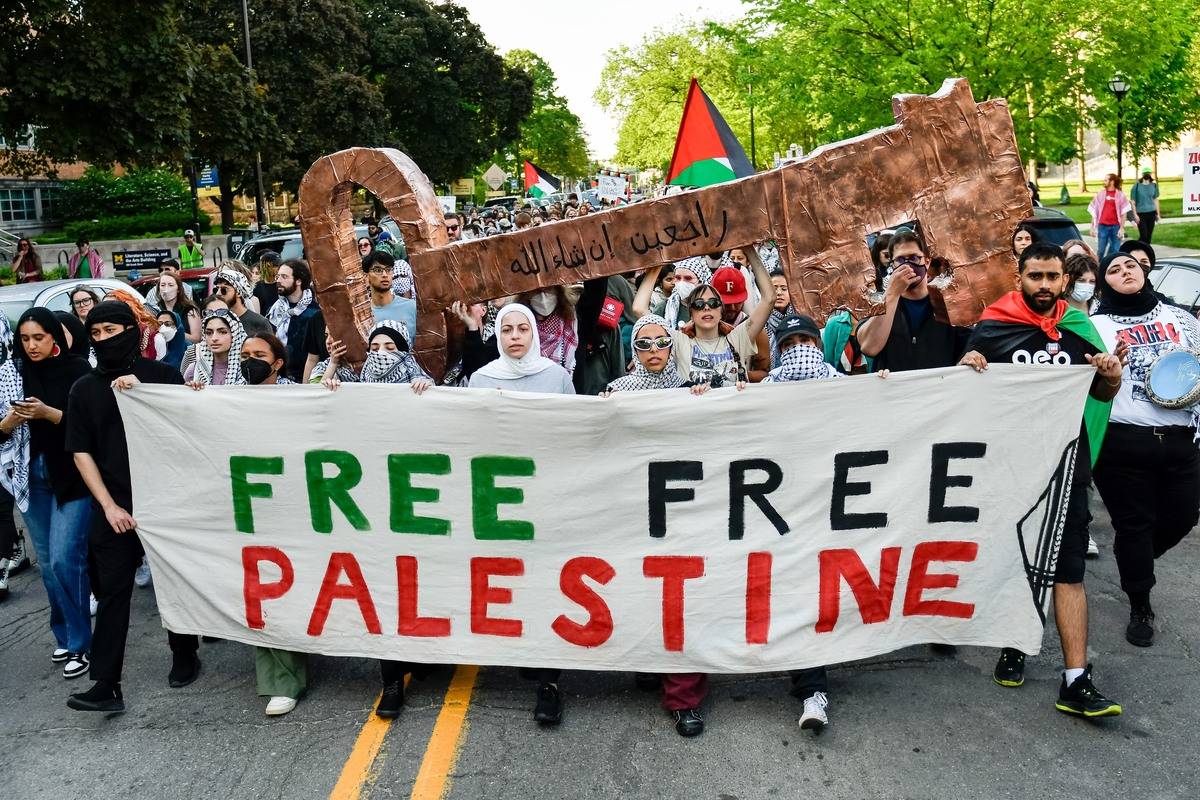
{"x": 96, "y": 435}
{"x": 1014, "y": 330}
{"x": 906, "y": 336}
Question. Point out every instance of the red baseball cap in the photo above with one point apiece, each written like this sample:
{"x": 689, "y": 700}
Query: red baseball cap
{"x": 730, "y": 284}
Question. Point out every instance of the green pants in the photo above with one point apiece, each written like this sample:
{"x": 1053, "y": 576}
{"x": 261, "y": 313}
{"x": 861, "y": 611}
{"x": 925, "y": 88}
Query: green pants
{"x": 280, "y": 673}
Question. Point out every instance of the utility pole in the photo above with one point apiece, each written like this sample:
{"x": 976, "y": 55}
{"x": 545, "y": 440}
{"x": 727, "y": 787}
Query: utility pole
{"x": 260, "y": 205}
{"x": 750, "y": 92}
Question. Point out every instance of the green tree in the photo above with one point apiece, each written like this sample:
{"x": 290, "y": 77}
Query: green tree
{"x": 645, "y": 88}
{"x": 552, "y": 135}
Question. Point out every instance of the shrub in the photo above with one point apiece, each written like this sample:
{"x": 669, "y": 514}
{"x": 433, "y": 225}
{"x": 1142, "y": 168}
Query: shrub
{"x": 54, "y": 273}
{"x": 128, "y": 227}
{"x": 99, "y": 194}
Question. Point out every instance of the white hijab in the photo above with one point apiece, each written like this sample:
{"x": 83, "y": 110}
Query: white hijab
{"x": 508, "y": 368}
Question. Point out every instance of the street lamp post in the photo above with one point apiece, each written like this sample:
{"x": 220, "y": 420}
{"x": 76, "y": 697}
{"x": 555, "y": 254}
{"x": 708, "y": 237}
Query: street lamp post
{"x": 750, "y": 93}
{"x": 259, "y": 195}
{"x": 1119, "y": 87}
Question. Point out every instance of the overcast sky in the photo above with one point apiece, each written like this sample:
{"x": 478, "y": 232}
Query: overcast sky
{"x": 574, "y": 36}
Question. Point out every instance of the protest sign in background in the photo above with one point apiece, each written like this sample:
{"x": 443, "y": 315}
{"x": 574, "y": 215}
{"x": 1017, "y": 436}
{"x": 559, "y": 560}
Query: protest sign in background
{"x": 1191, "y": 180}
{"x": 784, "y": 526}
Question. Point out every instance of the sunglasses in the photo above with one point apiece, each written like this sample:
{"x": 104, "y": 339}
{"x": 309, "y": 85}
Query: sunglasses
{"x": 657, "y": 343}
{"x": 364, "y": 246}
{"x": 700, "y": 305}
{"x": 452, "y": 228}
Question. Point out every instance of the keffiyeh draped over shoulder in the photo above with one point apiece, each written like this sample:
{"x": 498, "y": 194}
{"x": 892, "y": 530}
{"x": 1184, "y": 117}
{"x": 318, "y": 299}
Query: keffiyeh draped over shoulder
{"x": 14, "y": 450}
{"x": 642, "y": 378}
{"x": 205, "y": 356}
{"x": 282, "y": 312}
{"x": 388, "y": 366}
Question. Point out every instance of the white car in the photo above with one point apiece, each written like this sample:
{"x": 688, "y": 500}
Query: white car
{"x": 54, "y": 295}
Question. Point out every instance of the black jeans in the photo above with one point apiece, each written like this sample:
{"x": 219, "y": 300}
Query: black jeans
{"x": 1150, "y": 483}
{"x": 1146, "y": 220}
{"x": 113, "y": 558}
{"x": 807, "y": 682}
{"x": 8, "y": 527}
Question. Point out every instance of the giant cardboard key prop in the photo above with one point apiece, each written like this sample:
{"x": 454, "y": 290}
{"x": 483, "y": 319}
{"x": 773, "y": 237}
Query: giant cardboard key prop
{"x": 948, "y": 163}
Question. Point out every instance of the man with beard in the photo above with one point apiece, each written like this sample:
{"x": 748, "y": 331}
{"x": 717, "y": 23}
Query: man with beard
{"x": 96, "y": 435}
{"x": 292, "y": 311}
{"x": 1036, "y": 326}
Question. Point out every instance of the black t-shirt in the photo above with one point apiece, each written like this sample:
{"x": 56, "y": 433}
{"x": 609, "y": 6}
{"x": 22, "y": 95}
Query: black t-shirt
{"x": 267, "y": 294}
{"x": 1013, "y": 343}
{"x": 94, "y": 424}
{"x": 314, "y": 338}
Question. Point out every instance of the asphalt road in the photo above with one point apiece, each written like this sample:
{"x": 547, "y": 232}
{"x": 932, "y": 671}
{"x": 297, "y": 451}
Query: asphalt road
{"x": 910, "y": 725}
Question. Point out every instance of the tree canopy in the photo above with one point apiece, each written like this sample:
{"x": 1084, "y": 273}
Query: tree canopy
{"x": 823, "y": 70}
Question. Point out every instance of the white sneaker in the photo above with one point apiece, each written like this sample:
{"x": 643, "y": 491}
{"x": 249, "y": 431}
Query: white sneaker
{"x": 1093, "y": 548}
{"x": 142, "y": 577}
{"x": 278, "y": 706}
{"x": 814, "y": 717}
{"x": 93, "y": 604}
{"x": 76, "y": 665}
{"x": 59, "y": 655}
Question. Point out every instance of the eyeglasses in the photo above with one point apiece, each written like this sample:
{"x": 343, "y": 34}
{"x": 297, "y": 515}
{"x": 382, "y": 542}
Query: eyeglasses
{"x": 81, "y": 303}
{"x": 379, "y": 271}
{"x": 657, "y": 343}
{"x": 700, "y": 305}
{"x": 917, "y": 259}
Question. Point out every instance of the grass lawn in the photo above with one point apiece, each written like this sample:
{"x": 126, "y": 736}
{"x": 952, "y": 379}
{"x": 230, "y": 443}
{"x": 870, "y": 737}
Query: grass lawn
{"x": 1182, "y": 234}
{"x": 1170, "y": 198}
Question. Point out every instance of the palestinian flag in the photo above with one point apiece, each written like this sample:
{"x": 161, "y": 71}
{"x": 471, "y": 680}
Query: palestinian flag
{"x": 706, "y": 151}
{"x": 538, "y": 182}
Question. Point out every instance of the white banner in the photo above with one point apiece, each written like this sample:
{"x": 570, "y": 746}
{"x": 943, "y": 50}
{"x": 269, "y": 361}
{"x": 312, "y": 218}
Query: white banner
{"x": 1191, "y": 180}
{"x": 788, "y": 525}
{"x": 448, "y": 202}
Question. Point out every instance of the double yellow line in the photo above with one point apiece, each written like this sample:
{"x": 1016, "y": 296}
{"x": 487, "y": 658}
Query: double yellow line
{"x": 433, "y": 778}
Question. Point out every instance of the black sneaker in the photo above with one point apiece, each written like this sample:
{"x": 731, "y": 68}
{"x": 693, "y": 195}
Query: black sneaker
{"x": 1084, "y": 699}
{"x": 101, "y": 697}
{"x": 1140, "y": 630}
{"x": 548, "y": 710}
{"x": 391, "y": 701}
{"x": 77, "y": 664}
{"x": 688, "y": 722}
{"x": 1010, "y": 668}
{"x": 185, "y": 668}
{"x": 18, "y": 560}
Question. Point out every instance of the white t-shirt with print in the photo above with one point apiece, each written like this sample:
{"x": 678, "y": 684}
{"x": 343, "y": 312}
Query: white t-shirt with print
{"x": 698, "y": 359}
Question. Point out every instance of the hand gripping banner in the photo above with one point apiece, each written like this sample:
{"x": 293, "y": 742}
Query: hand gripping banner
{"x": 770, "y": 531}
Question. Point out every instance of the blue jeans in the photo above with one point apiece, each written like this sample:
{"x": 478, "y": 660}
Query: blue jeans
{"x": 1107, "y": 239}
{"x": 60, "y": 537}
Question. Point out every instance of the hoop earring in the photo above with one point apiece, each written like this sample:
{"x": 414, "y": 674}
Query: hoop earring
{"x": 56, "y": 352}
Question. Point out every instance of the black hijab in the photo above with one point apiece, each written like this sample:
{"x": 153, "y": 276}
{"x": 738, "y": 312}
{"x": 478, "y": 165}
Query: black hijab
{"x": 1114, "y": 303}
{"x": 115, "y": 355}
{"x": 49, "y": 380}
{"x": 79, "y": 337}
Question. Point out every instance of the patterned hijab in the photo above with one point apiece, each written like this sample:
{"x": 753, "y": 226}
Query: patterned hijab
{"x": 205, "y": 357}
{"x": 698, "y": 266}
{"x": 642, "y": 378}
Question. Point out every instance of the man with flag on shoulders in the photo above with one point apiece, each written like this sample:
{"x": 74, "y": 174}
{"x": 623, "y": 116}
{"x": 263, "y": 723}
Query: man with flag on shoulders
{"x": 1034, "y": 325}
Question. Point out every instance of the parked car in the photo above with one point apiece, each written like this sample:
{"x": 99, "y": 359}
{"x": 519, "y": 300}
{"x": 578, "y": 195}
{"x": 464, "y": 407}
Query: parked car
{"x": 289, "y": 244}
{"x": 54, "y": 295}
{"x": 1053, "y": 226}
{"x": 1178, "y": 278}
{"x": 200, "y": 280}
{"x": 509, "y": 201}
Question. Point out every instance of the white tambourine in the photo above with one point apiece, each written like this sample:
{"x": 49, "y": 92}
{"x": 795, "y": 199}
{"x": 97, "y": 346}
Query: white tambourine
{"x": 1174, "y": 379}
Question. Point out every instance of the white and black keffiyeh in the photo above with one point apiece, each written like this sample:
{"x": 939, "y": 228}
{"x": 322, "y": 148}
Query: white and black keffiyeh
{"x": 402, "y": 279}
{"x": 698, "y": 266}
{"x": 14, "y": 450}
{"x": 387, "y": 366}
{"x": 772, "y": 325}
{"x": 282, "y": 312}
{"x": 205, "y": 356}
{"x": 238, "y": 281}
{"x": 642, "y": 378}
{"x": 804, "y": 362}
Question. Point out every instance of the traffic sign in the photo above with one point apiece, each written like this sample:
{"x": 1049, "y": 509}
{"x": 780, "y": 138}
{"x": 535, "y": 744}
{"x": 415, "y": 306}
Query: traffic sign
{"x": 494, "y": 177}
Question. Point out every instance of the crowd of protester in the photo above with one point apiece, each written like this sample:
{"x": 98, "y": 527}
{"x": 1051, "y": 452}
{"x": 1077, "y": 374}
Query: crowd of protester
{"x": 722, "y": 319}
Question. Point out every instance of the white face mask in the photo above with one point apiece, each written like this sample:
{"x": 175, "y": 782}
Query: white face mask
{"x": 544, "y": 303}
{"x": 168, "y": 332}
{"x": 168, "y": 291}
{"x": 684, "y": 289}
{"x": 1082, "y": 292}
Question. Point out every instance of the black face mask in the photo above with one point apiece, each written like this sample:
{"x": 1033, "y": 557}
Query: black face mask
{"x": 255, "y": 370}
{"x": 118, "y": 352}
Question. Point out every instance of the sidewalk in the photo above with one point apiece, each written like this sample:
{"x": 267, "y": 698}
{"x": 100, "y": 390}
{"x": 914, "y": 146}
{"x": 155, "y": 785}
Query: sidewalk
{"x": 1160, "y": 251}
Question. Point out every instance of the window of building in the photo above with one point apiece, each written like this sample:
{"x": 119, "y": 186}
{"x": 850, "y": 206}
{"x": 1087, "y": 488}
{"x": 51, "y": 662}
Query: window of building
{"x": 17, "y": 205}
{"x": 50, "y": 198}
